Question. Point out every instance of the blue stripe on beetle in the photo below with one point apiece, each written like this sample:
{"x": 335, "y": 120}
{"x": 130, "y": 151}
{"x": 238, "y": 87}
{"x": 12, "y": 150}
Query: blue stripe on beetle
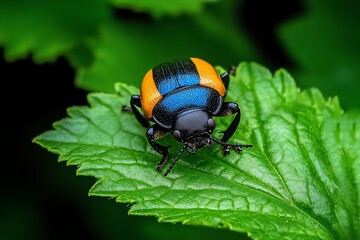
{"x": 181, "y": 97}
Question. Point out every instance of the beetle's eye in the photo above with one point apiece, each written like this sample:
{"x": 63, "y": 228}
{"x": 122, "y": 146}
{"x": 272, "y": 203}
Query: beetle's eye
{"x": 211, "y": 124}
{"x": 177, "y": 135}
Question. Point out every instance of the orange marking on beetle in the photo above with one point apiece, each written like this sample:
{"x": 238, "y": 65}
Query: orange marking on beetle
{"x": 149, "y": 94}
{"x": 209, "y": 77}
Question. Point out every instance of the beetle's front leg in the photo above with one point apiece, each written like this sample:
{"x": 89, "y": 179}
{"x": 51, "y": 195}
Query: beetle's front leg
{"x": 135, "y": 102}
{"x": 227, "y": 109}
{"x": 156, "y": 132}
{"x": 225, "y": 77}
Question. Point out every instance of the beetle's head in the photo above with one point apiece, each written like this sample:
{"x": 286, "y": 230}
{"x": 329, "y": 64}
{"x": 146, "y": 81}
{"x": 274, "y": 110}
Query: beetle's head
{"x": 194, "y": 128}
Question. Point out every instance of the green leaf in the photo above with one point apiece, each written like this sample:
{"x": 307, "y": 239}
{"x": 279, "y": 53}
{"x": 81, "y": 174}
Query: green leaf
{"x": 47, "y": 29}
{"x": 324, "y": 43}
{"x": 163, "y": 7}
{"x": 301, "y": 180}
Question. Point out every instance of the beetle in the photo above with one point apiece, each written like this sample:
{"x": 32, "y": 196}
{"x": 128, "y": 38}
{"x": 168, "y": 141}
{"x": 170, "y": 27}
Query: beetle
{"x": 181, "y": 97}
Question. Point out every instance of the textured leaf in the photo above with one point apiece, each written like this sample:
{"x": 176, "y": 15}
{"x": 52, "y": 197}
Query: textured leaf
{"x": 300, "y": 181}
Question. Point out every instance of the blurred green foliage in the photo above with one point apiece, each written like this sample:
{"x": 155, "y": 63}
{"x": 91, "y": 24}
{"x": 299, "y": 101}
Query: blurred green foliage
{"x": 105, "y": 45}
{"x": 324, "y": 42}
{"x": 119, "y": 40}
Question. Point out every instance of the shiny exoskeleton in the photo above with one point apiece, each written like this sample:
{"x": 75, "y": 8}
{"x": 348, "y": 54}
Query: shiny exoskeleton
{"x": 181, "y": 97}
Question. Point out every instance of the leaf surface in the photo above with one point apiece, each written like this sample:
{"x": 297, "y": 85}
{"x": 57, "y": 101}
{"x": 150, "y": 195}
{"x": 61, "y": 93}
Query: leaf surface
{"x": 300, "y": 181}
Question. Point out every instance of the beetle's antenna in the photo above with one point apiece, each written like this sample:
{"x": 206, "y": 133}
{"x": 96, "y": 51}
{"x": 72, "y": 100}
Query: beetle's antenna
{"x": 175, "y": 160}
{"x": 235, "y": 146}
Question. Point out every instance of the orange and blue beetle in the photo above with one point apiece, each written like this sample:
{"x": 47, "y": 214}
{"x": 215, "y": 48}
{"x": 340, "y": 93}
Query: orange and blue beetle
{"x": 181, "y": 97}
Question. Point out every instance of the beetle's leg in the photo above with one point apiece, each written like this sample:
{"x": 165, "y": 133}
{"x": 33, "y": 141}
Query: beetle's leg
{"x": 153, "y": 133}
{"x": 225, "y": 77}
{"x": 134, "y": 103}
{"x": 227, "y": 109}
